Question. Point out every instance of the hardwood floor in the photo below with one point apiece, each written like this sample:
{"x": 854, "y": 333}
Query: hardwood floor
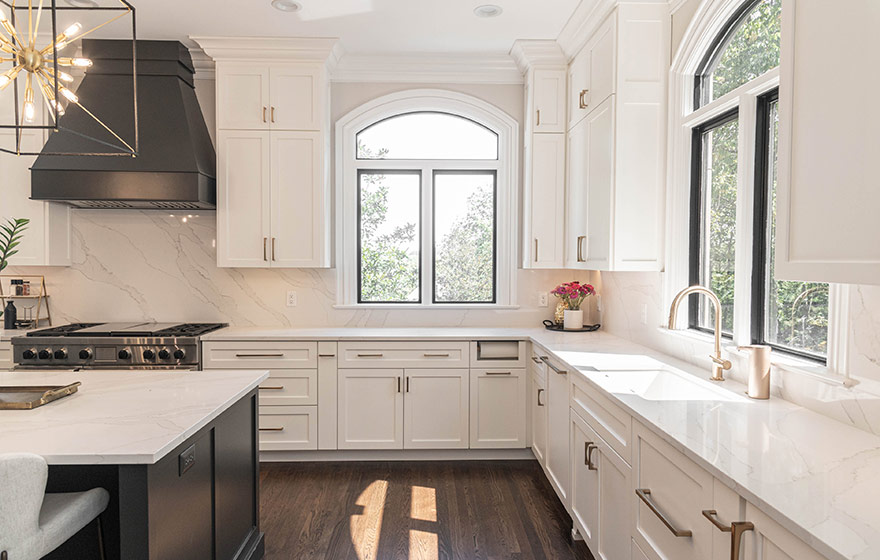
{"x": 480, "y": 510}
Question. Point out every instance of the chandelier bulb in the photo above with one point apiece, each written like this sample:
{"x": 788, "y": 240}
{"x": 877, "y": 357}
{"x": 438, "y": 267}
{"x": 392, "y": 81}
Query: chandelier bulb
{"x": 72, "y": 30}
{"x": 68, "y": 94}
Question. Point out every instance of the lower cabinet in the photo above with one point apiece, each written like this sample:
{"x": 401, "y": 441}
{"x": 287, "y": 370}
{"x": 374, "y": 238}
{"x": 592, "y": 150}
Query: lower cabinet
{"x": 435, "y": 409}
{"x": 539, "y": 417}
{"x": 600, "y": 493}
{"x": 558, "y": 465}
{"x": 6, "y": 361}
{"x": 498, "y": 408}
{"x": 370, "y": 407}
{"x": 288, "y": 428}
{"x": 770, "y": 541}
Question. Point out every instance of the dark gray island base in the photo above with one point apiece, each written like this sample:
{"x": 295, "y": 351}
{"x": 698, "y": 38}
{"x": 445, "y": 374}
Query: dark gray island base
{"x": 200, "y": 501}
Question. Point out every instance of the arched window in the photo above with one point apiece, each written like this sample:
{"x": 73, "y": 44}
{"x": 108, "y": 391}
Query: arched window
{"x": 425, "y": 181}
{"x": 724, "y": 174}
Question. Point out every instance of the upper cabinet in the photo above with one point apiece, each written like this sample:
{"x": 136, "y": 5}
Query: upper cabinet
{"x": 547, "y": 100}
{"x": 617, "y": 143}
{"x": 827, "y": 195}
{"x": 273, "y": 192}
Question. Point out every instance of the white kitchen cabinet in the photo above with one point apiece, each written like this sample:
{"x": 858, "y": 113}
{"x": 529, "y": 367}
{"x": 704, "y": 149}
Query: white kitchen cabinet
{"x": 270, "y": 96}
{"x": 558, "y": 464}
{"x": 288, "y": 428}
{"x": 46, "y": 242}
{"x": 370, "y": 409}
{"x": 6, "y": 361}
{"x": 827, "y": 197}
{"x": 616, "y": 152}
{"x": 591, "y": 72}
{"x": 435, "y": 409}
{"x": 547, "y": 99}
{"x": 272, "y": 200}
{"x": 290, "y": 387}
{"x": 770, "y": 541}
{"x": 539, "y": 413}
{"x": 545, "y": 202}
{"x": 498, "y": 408}
{"x": 328, "y": 378}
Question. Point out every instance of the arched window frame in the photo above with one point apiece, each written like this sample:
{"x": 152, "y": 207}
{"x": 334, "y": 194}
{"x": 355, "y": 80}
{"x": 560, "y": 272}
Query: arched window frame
{"x": 348, "y": 166}
{"x": 709, "y": 30}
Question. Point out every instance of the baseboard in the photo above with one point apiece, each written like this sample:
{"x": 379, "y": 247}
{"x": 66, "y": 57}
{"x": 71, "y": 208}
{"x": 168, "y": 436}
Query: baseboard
{"x": 397, "y": 455}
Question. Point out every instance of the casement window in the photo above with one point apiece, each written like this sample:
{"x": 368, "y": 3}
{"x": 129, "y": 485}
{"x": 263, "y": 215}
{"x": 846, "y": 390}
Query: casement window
{"x": 426, "y": 187}
{"x": 732, "y": 195}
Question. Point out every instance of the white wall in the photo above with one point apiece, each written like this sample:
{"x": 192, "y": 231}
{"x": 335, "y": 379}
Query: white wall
{"x": 144, "y": 265}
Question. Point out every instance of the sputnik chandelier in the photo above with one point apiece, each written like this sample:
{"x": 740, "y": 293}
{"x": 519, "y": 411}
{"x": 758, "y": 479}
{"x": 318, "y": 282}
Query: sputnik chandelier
{"x": 42, "y": 66}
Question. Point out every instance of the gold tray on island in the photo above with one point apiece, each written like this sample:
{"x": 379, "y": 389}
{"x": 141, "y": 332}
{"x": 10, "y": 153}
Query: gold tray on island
{"x": 22, "y": 397}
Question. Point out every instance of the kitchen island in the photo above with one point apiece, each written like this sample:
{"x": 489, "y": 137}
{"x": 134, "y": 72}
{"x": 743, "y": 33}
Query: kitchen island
{"x": 176, "y": 450}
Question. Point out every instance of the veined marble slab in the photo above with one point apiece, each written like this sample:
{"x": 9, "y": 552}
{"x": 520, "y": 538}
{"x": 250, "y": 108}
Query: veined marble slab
{"x": 120, "y": 417}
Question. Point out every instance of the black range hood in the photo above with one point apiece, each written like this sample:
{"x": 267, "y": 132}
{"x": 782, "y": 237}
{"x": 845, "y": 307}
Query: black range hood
{"x": 176, "y": 165}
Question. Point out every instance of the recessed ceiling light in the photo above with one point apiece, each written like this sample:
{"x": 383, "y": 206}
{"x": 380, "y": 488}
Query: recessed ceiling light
{"x": 82, "y": 3}
{"x": 488, "y": 10}
{"x": 287, "y": 5}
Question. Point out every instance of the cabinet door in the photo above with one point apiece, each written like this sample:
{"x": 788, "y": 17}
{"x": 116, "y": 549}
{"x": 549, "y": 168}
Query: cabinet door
{"x": 592, "y": 73}
{"x": 578, "y": 86}
{"x": 546, "y": 194}
{"x": 243, "y": 199}
{"x": 615, "y": 504}
{"x": 558, "y": 426}
{"x": 576, "y": 200}
{"x": 548, "y": 93}
{"x": 242, "y": 96}
{"x": 498, "y": 408}
{"x": 600, "y": 186}
{"x": 435, "y": 409}
{"x": 370, "y": 409}
{"x": 539, "y": 420}
{"x": 769, "y": 541}
{"x": 827, "y": 201}
{"x": 298, "y": 201}
{"x": 288, "y": 428}
{"x": 585, "y": 482}
{"x": 295, "y": 98}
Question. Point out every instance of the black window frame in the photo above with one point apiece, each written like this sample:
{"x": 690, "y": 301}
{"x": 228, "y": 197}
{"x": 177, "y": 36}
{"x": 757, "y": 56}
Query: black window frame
{"x": 494, "y": 174}
{"x": 696, "y": 212}
{"x": 761, "y": 216}
{"x": 360, "y": 173}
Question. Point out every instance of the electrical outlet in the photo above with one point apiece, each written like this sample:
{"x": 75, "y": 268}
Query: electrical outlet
{"x": 542, "y": 299}
{"x": 645, "y": 314}
{"x": 291, "y": 299}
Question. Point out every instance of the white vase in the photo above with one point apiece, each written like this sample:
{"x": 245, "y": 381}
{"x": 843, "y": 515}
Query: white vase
{"x": 574, "y": 319}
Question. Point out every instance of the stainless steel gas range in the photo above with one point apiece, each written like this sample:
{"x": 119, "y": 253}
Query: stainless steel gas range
{"x": 113, "y": 346}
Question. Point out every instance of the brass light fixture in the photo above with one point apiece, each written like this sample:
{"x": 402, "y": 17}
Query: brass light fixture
{"x": 42, "y": 66}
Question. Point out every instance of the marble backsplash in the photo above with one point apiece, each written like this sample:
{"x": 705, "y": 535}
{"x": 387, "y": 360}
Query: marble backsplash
{"x": 625, "y": 294}
{"x": 149, "y": 265}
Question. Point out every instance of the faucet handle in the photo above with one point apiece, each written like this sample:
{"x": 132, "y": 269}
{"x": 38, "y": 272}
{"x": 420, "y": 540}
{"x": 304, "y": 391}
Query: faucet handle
{"x": 725, "y": 364}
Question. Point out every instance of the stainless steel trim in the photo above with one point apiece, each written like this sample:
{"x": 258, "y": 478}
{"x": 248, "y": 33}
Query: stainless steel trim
{"x": 644, "y": 494}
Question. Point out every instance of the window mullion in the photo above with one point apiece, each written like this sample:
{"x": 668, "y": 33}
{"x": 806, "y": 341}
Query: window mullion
{"x": 745, "y": 223}
{"x": 427, "y": 236}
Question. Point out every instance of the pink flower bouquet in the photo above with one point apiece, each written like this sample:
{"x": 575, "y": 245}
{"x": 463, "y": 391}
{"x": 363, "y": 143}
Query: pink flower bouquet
{"x": 573, "y": 293}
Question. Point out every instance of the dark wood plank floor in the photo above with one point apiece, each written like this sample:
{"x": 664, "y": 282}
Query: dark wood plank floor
{"x": 480, "y": 510}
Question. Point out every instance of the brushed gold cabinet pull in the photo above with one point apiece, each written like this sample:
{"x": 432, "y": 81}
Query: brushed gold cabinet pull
{"x": 326, "y": 355}
{"x": 271, "y": 429}
{"x": 539, "y": 118}
{"x": 265, "y": 240}
{"x": 272, "y": 113}
{"x": 437, "y": 355}
{"x": 273, "y": 388}
{"x": 273, "y": 248}
{"x": 539, "y": 397}
{"x": 589, "y": 446}
{"x": 580, "y": 248}
{"x": 536, "y": 359}
{"x": 547, "y": 361}
{"x": 736, "y": 530}
{"x": 279, "y": 355}
{"x": 371, "y": 355}
{"x": 398, "y": 384}
{"x": 407, "y": 384}
{"x": 581, "y": 102}
{"x": 644, "y": 495}
{"x": 498, "y": 373}
{"x": 536, "y": 249}
{"x": 264, "y": 114}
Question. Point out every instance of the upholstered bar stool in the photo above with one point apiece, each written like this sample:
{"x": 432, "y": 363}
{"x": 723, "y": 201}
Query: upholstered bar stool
{"x": 34, "y": 523}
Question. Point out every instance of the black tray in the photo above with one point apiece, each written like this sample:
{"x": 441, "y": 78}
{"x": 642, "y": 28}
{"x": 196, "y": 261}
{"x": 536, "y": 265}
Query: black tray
{"x": 551, "y": 326}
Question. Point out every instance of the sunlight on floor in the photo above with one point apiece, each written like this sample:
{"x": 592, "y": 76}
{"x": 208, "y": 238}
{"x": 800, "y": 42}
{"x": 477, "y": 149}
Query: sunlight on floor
{"x": 423, "y": 545}
{"x": 366, "y": 528}
{"x": 424, "y": 504}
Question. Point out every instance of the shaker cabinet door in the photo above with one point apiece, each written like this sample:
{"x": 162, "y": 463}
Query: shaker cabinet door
{"x": 242, "y": 96}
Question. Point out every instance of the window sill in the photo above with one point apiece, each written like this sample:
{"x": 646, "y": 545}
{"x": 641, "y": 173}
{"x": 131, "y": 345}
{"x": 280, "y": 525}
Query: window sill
{"x": 425, "y": 306}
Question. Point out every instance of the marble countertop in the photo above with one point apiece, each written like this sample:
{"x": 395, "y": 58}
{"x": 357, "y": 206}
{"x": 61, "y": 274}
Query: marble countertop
{"x": 7, "y": 335}
{"x": 814, "y": 475}
{"x": 120, "y": 417}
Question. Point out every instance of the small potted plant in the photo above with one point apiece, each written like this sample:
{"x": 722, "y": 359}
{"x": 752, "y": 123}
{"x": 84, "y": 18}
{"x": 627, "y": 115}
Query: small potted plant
{"x": 573, "y": 295}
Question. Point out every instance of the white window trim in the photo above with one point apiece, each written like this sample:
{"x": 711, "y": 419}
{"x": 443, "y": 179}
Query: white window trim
{"x": 710, "y": 20}
{"x": 499, "y": 122}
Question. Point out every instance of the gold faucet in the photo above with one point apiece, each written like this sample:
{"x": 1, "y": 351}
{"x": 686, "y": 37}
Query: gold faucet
{"x": 718, "y": 364}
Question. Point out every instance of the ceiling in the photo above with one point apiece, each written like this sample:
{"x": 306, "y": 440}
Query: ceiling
{"x": 363, "y": 26}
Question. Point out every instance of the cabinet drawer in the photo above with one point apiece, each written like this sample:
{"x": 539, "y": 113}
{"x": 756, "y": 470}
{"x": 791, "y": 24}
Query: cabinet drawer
{"x": 609, "y": 421}
{"x": 260, "y": 355}
{"x": 403, "y": 354}
{"x": 5, "y": 356}
{"x": 675, "y": 491}
{"x": 498, "y": 354}
{"x": 288, "y": 428}
{"x": 290, "y": 387}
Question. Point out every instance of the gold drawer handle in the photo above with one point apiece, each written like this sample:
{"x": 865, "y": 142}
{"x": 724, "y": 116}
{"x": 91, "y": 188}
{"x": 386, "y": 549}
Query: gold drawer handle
{"x": 580, "y": 249}
{"x": 547, "y": 361}
{"x": 498, "y": 373}
{"x": 581, "y": 102}
{"x": 736, "y": 530}
{"x": 539, "y": 397}
{"x": 374, "y": 355}
{"x": 271, "y": 429}
{"x": 439, "y": 355}
{"x": 536, "y": 359}
{"x": 589, "y": 446}
{"x": 259, "y": 355}
{"x": 326, "y": 355}
{"x": 644, "y": 494}
{"x": 272, "y": 388}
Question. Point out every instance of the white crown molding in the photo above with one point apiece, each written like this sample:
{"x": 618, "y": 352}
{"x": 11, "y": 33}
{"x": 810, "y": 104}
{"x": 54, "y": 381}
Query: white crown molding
{"x": 203, "y": 64}
{"x": 326, "y": 50}
{"x": 427, "y": 68}
{"x": 582, "y": 24}
{"x": 528, "y": 53}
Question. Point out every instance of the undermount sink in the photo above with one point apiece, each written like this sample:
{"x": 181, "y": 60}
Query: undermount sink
{"x": 664, "y": 385}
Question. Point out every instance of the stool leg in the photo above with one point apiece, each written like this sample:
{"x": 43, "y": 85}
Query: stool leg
{"x": 101, "y": 539}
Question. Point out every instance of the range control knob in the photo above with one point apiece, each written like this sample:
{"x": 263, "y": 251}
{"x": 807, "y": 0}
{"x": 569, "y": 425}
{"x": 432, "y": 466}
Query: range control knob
{"x": 179, "y": 354}
{"x": 85, "y": 354}
{"x": 61, "y": 354}
{"x": 45, "y": 354}
{"x": 164, "y": 354}
{"x": 149, "y": 354}
{"x": 29, "y": 354}
{"x": 124, "y": 354}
